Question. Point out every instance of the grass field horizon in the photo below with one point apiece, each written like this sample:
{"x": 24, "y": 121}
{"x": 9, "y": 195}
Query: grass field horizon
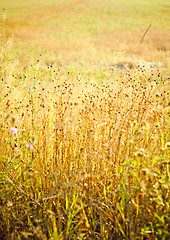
{"x": 84, "y": 109}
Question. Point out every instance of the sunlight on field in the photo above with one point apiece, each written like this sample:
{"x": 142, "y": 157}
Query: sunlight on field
{"x": 87, "y": 32}
{"x": 84, "y": 110}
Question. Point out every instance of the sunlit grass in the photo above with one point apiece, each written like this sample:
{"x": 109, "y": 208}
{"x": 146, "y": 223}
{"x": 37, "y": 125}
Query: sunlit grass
{"x": 84, "y": 144}
{"x": 84, "y": 32}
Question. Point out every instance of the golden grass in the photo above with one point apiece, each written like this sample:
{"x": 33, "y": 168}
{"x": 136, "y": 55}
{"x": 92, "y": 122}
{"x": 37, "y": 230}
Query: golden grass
{"x": 90, "y": 31}
{"x": 84, "y": 137}
{"x": 98, "y": 167}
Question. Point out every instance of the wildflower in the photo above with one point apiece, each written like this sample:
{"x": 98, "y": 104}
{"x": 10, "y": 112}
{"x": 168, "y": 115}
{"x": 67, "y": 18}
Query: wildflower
{"x": 13, "y": 130}
{"x": 31, "y": 89}
{"x": 29, "y": 145}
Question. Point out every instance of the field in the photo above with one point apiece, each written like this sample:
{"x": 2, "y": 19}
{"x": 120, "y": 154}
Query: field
{"x": 84, "y": 114}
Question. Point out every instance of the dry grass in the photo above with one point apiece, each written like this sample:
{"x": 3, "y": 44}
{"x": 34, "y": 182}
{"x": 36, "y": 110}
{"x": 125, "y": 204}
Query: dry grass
{"x": 98, "y": 168}
{"x": 84, "y": 151}
{"x": 86, "y": 32}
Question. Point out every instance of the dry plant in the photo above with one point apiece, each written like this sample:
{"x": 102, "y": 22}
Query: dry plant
{"x": 81, "y": 160}
{"x": 83, "y": 154}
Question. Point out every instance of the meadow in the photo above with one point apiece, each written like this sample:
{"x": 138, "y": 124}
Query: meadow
{"x": 84, "y": 115}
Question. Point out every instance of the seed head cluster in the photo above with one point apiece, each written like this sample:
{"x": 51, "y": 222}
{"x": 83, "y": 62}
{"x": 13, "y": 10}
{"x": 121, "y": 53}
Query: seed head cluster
{"x": 94, "y": 150}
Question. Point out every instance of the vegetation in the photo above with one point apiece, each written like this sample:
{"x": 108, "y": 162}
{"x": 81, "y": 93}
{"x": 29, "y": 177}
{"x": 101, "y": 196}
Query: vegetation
{"x": 84, "y": 114}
